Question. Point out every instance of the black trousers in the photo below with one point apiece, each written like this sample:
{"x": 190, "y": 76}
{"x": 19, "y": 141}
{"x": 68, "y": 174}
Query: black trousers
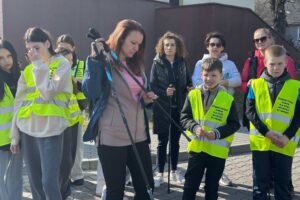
{"x": 68, "y": 158}
{"x": 281, "y": 166}
{"x": 163, "y": 139}
{"x": 197, "y": 163}
{"x": 114, "y": 161}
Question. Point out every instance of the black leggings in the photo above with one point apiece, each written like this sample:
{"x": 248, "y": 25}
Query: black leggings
{"x": 114, "y": 161}
{"x": 163, "y": 139}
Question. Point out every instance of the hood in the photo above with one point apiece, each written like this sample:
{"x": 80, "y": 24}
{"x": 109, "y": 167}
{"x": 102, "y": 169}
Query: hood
{"x": 285, "y": 76}
{"x": 223, "y": 57}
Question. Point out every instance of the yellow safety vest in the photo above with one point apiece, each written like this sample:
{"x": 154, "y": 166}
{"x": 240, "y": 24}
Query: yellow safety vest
{"x": 6, "y": 115}
{"x": 75, "y": 112}
{"x": 34, "y": 103}
{"x": 215, "y": 117}
{"x": 276, "y": 118}
{"x": 78, "y": 73}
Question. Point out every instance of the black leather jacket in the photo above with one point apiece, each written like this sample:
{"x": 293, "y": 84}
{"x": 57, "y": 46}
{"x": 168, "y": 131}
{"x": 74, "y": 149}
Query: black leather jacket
{"x": 163, "y": 73}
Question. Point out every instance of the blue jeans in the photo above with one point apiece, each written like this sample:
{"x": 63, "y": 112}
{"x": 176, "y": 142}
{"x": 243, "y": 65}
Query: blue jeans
{"x": 281, "y": 166}
{"x": 68, "y": 158}
{"x": 11, "y": 165}
{"x": 43, "y": 158}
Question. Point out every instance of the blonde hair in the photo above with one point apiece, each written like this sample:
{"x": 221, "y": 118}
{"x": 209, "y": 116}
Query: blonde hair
{"x": 267, "y": 32}
{"x": 275, "y": 51}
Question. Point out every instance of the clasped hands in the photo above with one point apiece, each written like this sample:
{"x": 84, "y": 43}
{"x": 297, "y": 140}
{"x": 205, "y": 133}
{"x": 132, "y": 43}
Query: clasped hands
{"x": 279, "y": 140}
{"x": 200, "y": 132}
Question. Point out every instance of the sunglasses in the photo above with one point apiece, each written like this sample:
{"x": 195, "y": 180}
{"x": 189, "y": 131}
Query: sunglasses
{"x": 218, "y": 45}
{"x": 262, "y": 39}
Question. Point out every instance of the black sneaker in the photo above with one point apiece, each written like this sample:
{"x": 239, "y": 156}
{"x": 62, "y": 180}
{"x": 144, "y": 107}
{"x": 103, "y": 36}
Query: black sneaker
{"x": 78, "y": 182}
{"x": 291, "y": 190}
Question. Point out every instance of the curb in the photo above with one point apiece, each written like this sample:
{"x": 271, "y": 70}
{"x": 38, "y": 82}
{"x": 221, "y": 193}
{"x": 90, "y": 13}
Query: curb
{"x": 91, "y": 164}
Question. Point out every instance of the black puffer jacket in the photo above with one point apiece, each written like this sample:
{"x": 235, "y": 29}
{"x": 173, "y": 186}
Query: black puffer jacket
{"x": 162, "y": 75}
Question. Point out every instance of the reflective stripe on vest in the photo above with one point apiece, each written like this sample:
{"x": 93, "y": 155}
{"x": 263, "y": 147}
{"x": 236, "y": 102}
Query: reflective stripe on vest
{"x": 78, "y": 72}
{"x": 34, "y": 103}
{"x": 215, "y": 117}
{"x": 296, "y": 138}
{"x": 46, "y": 102}
{"x": 276, "y": 117}
{"x": 75, "y": 113}
{"x": 6, "y": 115}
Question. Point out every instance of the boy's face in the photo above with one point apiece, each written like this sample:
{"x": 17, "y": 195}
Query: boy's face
{"x": 275, "y": 65}
{"x": 211, "y": 79}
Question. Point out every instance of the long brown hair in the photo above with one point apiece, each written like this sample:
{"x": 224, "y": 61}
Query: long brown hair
{"x": 15, "y": 70}
{"x": 117, "y": 38}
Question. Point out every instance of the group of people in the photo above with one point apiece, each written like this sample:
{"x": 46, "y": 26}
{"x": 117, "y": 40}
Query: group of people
{"x": 41, "y": 117}
{"x": 41, "y": 114}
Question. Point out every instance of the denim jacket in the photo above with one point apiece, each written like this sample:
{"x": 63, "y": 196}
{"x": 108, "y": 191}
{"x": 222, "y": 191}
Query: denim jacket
{"x": 97, "y": 87}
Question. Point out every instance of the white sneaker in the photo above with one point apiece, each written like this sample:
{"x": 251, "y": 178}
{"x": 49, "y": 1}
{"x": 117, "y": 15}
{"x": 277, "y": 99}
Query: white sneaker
{"x": 177, "y": 177}
{"x": 103, "y": 196}
{"x": 225, "y": 181}
{"x": 158, "y": 179}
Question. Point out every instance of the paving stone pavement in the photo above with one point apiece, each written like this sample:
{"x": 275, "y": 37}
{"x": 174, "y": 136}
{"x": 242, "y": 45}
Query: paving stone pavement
{"x": 239, "y": 145}
{"x": 238, "y": 168}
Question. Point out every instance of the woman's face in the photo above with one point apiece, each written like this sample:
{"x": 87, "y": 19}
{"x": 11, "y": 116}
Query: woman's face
{"x": 64, "y": 45}
{"x": 215, "y": 47}
{"x": 38, "y": 50}
{"x": 262, "y": 41}
{"x": 131, "y": 44}
{"x": 169, "y": 47}
{"x": 6, "y": 60}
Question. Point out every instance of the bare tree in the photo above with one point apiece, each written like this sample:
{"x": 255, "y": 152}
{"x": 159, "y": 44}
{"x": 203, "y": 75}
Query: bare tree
{"x": 279, "y": 14}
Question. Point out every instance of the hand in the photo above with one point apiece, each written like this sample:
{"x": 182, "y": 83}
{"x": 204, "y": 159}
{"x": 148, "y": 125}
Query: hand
{"x": 224, "y": 83}
{"x": 189, "y": 88}
{"x": 74, "y": 79}
{"x": 33, "y": 55}
{"x": 14, "y": 149}
{"x": 249, "y": 82}
{"x": 170, "y": 91}
{"x": 211, "y": 135}
{"x": 149, "y": 97}
{"x": 98, "y": 44}
{"x": 284, "y": 140}
{"x": 275, "y": 138}
{"x": 200, "y": 132}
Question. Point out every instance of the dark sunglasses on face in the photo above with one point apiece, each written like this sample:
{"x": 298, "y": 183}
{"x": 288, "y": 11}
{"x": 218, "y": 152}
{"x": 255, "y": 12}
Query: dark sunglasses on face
{"x": 218, "y": 45}
{"x": 262, "y": 39}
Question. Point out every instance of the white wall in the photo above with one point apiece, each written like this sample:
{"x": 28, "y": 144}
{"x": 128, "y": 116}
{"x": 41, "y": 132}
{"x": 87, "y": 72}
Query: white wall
{"x": 165, "y": 1}
{"x": 242, "y": 3}
{"x": 248, "y": 3}
{"x": 1, "y": 19}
